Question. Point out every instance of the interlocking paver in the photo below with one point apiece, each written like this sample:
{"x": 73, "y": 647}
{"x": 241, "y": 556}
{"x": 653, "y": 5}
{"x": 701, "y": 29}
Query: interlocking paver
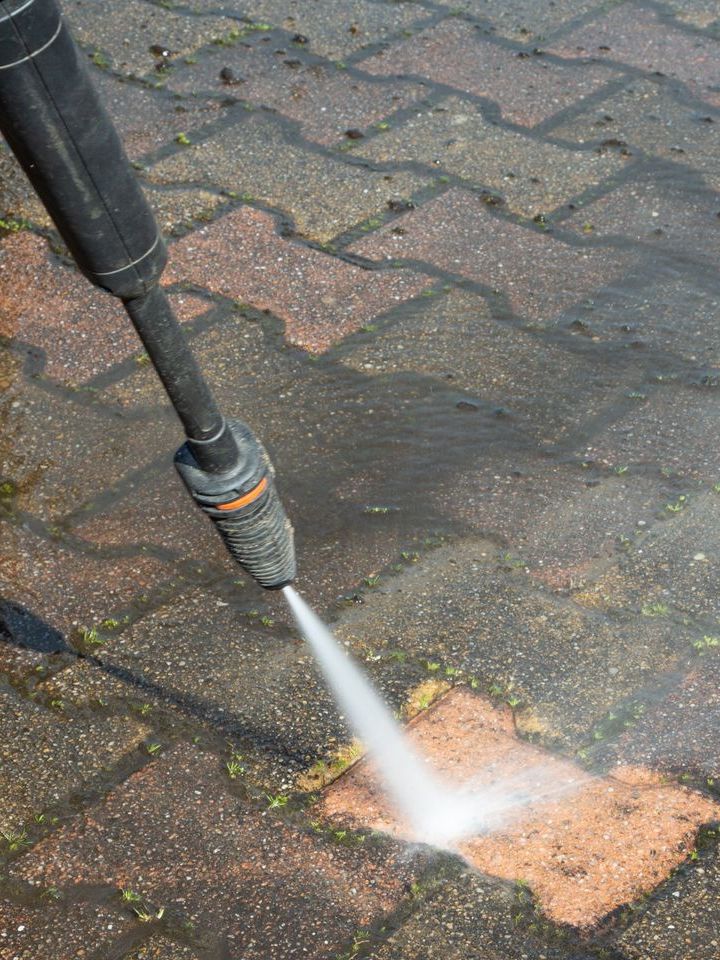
{"x": 527, "y": 90}
{"x": 315, "y": 419}
{"x": 585, "y": 844}
{"x": 472, "y": 917}
{"x": 665, "y": 430}
{"x": 460, "y": 610}
{"x": 47, "y": 757}
{"x": 532, "y": 177}
{"x": 326, "y": 102}
{"x": 674, "y": 566}
{"x": 53, "y": 932}
{"x": 682, "y": 920}
{"x": 163, "y": 949}
{"x": 121, "y": 33}
{"x": 67, "y": 588}
{"x": 206, "y": 659}
{"x": 540, "y": 275}
{"x": 678, "y": 734}
{"x": 699, "y": 13}
{"x": 548, "y": 390}
{"x": 333, "y": 28}
{"x": 320, "y": 299}
{"x": 646, "y": 117}
{"x": 524, "y": 20}
{"x": 676, "y": 218}
{"x": 81, "y": 330}
{"x": 174, "y": 833}
{"x": 643, "y": 39}
{"x": 324, "y": 196}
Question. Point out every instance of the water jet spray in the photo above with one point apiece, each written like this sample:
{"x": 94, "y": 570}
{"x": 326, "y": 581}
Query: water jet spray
{"x": 60, "y": 132}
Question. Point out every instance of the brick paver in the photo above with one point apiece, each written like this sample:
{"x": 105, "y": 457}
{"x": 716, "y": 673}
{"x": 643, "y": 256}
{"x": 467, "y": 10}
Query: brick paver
{"x": 496, "y": 439}
{"x": 639, "y": 829}
{"x": 80, "y": 330}
{"x": 456, "y": 54}
{"x": 466, "y": 616}
{"x": 540, "y": 275}
{"x": 320, "y": 299}
{"x": 47, "y": 756}
{"x": 525, "y": 20}
{"x": 326, "y": 102}
{"x": 324, "y": 196}
{"x": 120, "y": 33}
{"x": 47, "y": 931}
{"x": 333, "y": 28}
{"x": 533, "y": 178}
{"x": 642, "y": 39}
{"x": 176, "y": 835}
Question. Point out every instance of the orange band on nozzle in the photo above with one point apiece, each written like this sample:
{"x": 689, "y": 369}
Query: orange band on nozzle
{"x": 246, "y": 499}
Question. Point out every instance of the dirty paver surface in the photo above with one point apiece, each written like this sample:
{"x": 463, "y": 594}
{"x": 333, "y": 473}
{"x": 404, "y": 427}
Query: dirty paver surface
{"x": 456, "y": 263}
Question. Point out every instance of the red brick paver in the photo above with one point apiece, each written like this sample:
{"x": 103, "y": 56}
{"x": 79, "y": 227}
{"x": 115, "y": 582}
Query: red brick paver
{"x": 81, "y": 330}
{"x": 589, "y": 846}
{"x": 541, "y": 275}
{"x": 527, "y": 90}
{"x": 174, "y": 834}
{"x": 320, "y": 299}
{"x": 642, "y": 39}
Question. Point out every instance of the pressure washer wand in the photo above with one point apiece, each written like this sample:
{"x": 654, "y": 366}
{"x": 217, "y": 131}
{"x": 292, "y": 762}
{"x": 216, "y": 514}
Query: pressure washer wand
{"x": 58, "y": 129}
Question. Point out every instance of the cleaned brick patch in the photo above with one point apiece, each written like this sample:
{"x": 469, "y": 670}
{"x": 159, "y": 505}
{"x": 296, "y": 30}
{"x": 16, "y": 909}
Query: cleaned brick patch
{"x": 81, "y": 330}
{"x": 320, "y": 299}
{"x": 52, "y": 932}
{"x": 541, "y": 275}
{"x": 602, "y": 842}
{"x": 174, "y": 833}
{"x": 642, "y": 39}
{"x": 454, "y": 137}
{"x": 527, "y": 90}
{"x": 326, "y": 102}
{"x": 324, "y": 196}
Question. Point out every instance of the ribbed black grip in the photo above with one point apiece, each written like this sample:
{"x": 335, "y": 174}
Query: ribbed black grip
{"x": 261, "y": 539}
{"x": 244, "y": 506}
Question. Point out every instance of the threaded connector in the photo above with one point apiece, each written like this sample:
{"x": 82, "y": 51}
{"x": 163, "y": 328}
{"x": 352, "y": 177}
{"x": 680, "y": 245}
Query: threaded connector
{"x": 244, "y": 506}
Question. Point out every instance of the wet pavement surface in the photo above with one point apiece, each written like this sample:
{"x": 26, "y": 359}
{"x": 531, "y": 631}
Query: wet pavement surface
{"x": 456, "y": 263}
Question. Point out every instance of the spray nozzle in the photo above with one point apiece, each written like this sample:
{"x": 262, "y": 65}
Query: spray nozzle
{"x": 243, "y": 504}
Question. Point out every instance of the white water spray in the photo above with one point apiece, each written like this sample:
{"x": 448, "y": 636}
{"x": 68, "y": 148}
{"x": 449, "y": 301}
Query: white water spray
{"x": 438, "y": 815}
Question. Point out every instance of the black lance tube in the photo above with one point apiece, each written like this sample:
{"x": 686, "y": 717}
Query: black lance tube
{"x": 60, "y": 132}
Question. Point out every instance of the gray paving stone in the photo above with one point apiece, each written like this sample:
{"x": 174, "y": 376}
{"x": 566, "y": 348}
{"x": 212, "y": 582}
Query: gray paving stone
{"x": 550, "y": 392}
{"x": 665, "y": 428}
{"x": 46, "y": 757}
{"x": 532, "y": 177}
{"x": 646, "y": 116}
{"x": 324, "y": 196}
{"x": 471, "y": 917}
{"x": 684, "y": 919}
{"x": 53, "y": 932}
{"x": 563, "y": 665}
{"x": 121, "y": 32}
{"x": 674, "y": 566}
{"x": 250, "y": 884}
{"x": 333, "y": 28}
{"x": 525, "y": 20}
